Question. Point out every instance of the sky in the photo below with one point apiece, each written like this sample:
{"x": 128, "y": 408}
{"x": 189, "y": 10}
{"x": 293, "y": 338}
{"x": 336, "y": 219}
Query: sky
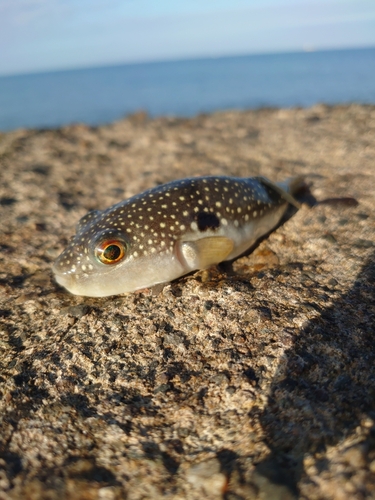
{"x": 47, "y": 35}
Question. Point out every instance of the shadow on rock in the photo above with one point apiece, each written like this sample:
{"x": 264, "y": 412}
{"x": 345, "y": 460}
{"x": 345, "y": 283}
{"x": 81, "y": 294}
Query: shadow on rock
{"x": 327, "y": 385}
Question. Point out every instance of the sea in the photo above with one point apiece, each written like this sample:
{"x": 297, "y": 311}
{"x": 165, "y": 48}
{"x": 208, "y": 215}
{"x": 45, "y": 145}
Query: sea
{"x": 185, "y": 88}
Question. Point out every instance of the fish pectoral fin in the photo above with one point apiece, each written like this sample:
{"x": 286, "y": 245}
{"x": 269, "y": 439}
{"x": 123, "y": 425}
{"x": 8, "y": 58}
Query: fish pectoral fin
{"x": 203, "y": 253}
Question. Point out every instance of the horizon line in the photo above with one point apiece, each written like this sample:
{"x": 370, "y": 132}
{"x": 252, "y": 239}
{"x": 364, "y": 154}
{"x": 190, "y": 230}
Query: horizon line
{"x": 303, "y": 50}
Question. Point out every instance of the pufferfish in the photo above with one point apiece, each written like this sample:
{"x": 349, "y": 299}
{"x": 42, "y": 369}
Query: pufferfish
{"x": 169, "y": 231}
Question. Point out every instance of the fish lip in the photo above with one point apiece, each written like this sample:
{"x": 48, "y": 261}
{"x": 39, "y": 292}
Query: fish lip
{"x": 75, "y": 283}
{"x": 66, "y": 279}
{"x": 63, "y": 279}
{"x": 69, "y": 282}
{"x": 58, "y": 272}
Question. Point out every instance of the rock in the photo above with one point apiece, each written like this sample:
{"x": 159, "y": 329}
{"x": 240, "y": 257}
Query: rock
{"x": 193, "y": 389}
{"x": 207, "y": 477}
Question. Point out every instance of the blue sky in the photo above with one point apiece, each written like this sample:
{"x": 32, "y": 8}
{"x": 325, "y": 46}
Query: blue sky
{"x": 42, "y": 35}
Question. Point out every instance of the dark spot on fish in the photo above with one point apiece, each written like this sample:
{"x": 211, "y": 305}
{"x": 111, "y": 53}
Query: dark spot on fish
{"x": 207, "y": 221}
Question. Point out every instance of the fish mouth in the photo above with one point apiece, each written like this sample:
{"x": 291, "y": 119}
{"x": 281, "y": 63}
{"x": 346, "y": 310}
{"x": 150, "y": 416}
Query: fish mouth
{"x": 81, "y": 285}
{"x": 73, "y": 284}
{"x": 64, "y": 280}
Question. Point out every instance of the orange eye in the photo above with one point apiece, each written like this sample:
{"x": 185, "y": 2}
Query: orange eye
{"x": 110, "y": 251}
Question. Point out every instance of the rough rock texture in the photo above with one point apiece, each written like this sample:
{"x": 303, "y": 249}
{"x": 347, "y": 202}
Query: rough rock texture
{"x": 251, "y": 381}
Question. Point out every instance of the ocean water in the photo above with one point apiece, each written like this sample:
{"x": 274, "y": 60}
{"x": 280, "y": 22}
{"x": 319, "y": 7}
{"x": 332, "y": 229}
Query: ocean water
{"x": 185, "y": 88}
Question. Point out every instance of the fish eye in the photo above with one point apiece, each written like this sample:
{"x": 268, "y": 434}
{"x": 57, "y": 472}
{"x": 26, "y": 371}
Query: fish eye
{"x": 110, "y": 251}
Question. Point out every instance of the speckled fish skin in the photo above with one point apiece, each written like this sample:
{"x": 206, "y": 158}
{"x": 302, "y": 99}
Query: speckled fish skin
{"x": 171, "y": 230}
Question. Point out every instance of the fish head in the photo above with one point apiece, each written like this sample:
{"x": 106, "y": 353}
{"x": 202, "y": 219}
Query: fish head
{"x": 88, "y": 264}
{"x": 103, "y": 260}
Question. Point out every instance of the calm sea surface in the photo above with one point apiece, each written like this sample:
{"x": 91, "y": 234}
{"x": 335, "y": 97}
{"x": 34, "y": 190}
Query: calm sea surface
{"x": 184, "y": 88}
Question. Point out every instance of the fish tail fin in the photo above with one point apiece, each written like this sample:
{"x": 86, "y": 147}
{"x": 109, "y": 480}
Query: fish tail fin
{"x": 293, "y": 185}
{"x": 287, "y": 189}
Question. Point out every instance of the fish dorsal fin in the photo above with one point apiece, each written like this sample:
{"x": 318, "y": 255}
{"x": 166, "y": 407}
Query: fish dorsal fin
{"x": 203, "y": 253}
{"x": 280, "y": 190}
{"x": 86, "y": 219}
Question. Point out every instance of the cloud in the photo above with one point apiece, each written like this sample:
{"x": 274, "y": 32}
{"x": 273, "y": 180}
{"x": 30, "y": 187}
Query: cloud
{"x": 51, "y": 34}
{"x": 22, "y": 13}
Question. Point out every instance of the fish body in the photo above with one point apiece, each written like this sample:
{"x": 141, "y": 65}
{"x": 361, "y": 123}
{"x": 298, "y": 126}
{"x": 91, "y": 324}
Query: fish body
{"x": 168, "y": 231}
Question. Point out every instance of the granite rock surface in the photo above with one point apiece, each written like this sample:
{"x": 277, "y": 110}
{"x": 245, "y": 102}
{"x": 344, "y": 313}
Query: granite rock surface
{"x": 254, "y": 380}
